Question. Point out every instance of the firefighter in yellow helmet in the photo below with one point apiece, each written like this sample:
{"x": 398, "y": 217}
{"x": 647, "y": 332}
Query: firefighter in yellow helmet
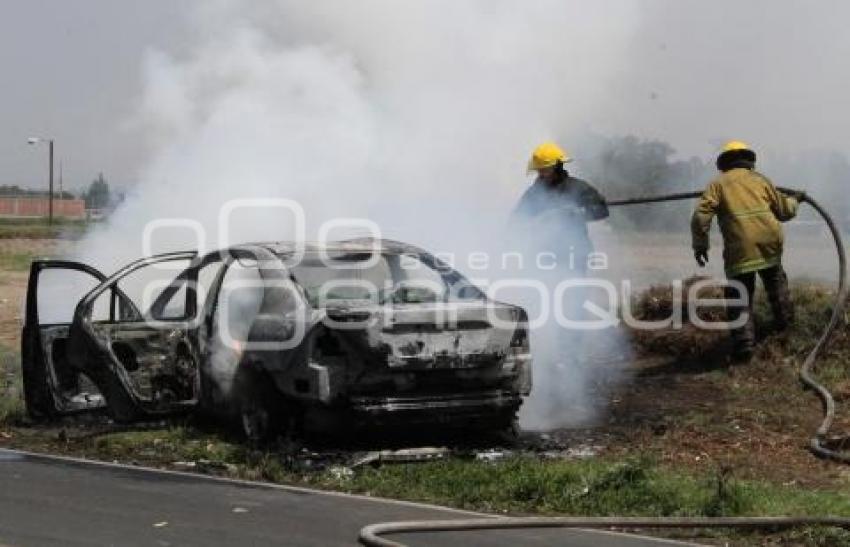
{"x": 562, "y": 202}
{"x": 749, "y": 211}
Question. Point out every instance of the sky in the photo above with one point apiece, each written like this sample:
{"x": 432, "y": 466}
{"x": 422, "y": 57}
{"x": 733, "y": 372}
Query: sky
{"x": 72, "y": 71}
{"x": 691, "y": 73}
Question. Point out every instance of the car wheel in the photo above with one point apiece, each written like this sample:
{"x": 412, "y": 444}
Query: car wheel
{"x": 510, "y": 430}
{"x": 256, "y": 421}
{"x": 259, "y": 408}
{"x": 505, "y": 430}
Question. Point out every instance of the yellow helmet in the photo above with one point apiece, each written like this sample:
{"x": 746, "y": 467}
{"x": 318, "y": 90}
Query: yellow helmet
{"x": 732, "y": 146}
{"x": 736, "y": 154}
{"x": 547, "y": 154}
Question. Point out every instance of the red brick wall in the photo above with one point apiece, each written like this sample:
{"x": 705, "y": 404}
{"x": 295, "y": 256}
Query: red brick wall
{"x": 38, "y": 207}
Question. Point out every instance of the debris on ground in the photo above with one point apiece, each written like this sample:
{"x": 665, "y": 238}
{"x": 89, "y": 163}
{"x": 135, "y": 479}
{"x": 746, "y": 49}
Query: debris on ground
{"x": 577, "y": 452}
{"x": 493, "y": 455}
{"x": 404, "y": 455}
{"x": 204, "y": 466}
{"x": 340, "y": 473}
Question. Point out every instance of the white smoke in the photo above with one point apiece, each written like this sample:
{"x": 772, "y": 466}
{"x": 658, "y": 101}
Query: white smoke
{"x": 418, "y": 115}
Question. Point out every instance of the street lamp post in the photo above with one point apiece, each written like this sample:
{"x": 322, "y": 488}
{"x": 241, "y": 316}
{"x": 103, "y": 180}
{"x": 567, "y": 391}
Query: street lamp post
{"x": 36, "y": 140}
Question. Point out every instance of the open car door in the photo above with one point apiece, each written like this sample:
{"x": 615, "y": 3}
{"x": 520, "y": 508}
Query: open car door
{"x": 51, "y": 386}
{"x": 145, "y": 363}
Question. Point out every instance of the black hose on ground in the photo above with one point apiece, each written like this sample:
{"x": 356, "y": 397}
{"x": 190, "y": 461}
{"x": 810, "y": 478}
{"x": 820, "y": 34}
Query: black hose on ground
{"x": 370, "y": 535}
{"x": 817, "y": 443}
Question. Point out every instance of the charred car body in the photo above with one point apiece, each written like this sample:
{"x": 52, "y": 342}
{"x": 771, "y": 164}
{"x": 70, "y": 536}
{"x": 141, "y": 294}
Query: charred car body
{"x": 278, "y": 335}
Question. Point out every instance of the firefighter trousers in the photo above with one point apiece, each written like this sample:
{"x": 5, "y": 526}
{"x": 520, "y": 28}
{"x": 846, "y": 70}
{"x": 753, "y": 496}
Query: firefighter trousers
{"x": 775, "y": 283}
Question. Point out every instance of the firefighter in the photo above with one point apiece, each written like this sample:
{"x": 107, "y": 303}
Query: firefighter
{"x": 561, "y": 205}
{"x": 749, "y": 210}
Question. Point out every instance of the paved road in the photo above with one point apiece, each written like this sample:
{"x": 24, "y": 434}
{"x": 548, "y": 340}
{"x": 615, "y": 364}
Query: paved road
{"x": 48, "y": 501}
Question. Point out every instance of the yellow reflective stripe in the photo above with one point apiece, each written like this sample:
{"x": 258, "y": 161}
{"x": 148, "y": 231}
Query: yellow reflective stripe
{"x": 751, "y": 212}
{"x": 753, "y": 265}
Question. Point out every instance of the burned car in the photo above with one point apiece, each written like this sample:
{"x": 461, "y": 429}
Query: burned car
{"x": 276, "y": 335}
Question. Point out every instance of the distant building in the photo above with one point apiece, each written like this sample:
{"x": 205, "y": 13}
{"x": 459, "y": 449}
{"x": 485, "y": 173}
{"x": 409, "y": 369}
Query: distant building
{"x": 39, "y": 207}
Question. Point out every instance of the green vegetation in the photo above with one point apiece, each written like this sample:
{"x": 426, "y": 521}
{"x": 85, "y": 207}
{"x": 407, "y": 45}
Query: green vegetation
{"x": 38, "y": 228}
{"x": 17, "y": 261}
{"x": 98, "y": 196}
{"x": 586, "y": 487}
{"x": 11, "y": 388}
{"x": 164, "y": 446}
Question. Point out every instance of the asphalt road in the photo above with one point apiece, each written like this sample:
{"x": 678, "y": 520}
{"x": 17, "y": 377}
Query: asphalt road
{"x": 48, "y": 501}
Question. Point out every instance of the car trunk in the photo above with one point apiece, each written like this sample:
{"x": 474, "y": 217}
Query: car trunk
{"x": 426, "y": 348}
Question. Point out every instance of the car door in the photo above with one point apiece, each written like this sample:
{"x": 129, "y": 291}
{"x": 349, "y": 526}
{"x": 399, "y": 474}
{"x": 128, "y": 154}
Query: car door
{"x": 256, "y": 318}
{"x": 51, "y": 386}
{"x": 145, "y": 363}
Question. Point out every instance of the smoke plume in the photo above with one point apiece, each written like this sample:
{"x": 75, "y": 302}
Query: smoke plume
{"x": 418, "y": 116}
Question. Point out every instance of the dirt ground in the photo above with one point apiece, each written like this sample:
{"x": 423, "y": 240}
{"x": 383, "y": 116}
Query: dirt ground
{"x": 752, "y": 420}
{"x": 13, "y": 286}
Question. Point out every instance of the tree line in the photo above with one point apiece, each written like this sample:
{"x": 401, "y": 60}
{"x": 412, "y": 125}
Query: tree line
{"x": 97, "y": 195}
{"x": 628, "y": 166}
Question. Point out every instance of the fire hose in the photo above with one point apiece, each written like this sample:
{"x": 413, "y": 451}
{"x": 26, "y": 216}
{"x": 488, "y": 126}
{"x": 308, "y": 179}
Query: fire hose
{"x": 818, "y": 443}
{"x": 371, "y": 535}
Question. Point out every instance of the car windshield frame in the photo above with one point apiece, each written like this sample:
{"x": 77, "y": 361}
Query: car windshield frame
{"x": 440, "y": 284}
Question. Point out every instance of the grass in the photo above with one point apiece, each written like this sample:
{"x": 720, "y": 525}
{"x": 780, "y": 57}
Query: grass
{"x": 163, "y": 446}
{"x": 18, "y": 261}
{"x": 38, "y": 228}
{"x": 11, "y": 388}
{"x": 635, "y": 487}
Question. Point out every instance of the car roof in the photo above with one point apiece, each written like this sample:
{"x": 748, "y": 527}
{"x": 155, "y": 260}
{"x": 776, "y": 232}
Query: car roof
{"x": 365, "y": 244}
